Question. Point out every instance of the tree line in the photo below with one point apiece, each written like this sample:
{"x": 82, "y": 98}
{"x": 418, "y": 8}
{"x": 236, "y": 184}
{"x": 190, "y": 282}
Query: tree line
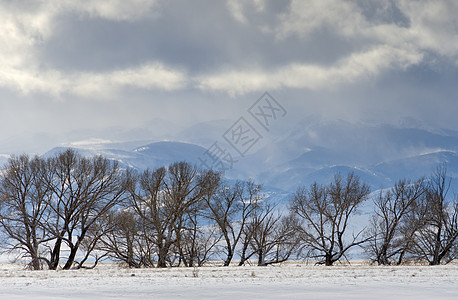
{"x": 67, "y": 210}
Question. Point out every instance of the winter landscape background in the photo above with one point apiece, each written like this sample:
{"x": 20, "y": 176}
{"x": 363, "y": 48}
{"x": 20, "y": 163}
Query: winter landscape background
{"x": 368, "y": 87}
{"x": 415, "y": 152}
{"x": 308, "y": 151}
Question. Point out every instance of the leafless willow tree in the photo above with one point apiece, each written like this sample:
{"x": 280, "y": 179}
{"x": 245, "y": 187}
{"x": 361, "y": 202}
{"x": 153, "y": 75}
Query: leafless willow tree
{"x": 83, "y": 190}
{"x": 198, "y": 240}
{"x": 125, "y": 239}
{"x": 231, "y": 207}
{"x": 326, "y": 212}
{"x": 201, "y": 237}
{"x": 269, "y": 236}
{"x": 24, "y": 200}
{"x": 185, "y": 186}
{"x": 436, "y": 218}
{"x": 166, "y": 199}
{"x": 390, "y": 238}
{"x": 149, "y": 202}
{"x": 47, "y": 202}
{"x": 90, "y": 246}
{"x": 177, "y": 215}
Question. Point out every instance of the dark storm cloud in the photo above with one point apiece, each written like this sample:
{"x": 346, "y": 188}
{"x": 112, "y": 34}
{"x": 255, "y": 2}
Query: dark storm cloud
{"x": 198, "y": 36}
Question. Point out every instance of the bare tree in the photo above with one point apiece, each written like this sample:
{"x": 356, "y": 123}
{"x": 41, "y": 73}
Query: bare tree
{"x": 230, "y": 207}
{"x": 105, "y": 225}
{"x": 436, "y": 238}
{"x": 326, "y": 212}
{"x": 164, "y": 199}
{"x": 83, "y": 190}
{"x": 184, "y": 187}
{"x": 23, "y": 207}
{"x": 270, "y": 236}
{"x": 388, "y": 241}
{"x": 198, "y": 240}
{"x": 148, "y": 202}
{"x": 126, "y": 239}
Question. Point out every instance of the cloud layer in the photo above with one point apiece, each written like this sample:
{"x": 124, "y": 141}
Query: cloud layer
{"x": 385, "y": 42}
{"x": 143, "y": 51}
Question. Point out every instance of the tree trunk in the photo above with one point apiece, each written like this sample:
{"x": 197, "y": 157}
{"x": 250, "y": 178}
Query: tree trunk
{"x": 261, "y": 262}
{"x": 328, "y": 260}
{"x": 35, "y": 264}
{"x": 401, "y": 257}
{"x": 71, "y": 258}
{"x": 74, "y": 250}
{"x": 55, "y": 255}
{"x": 243, "y": 257}
{"x": 34, "y": 252}
{"x": 437, "y": 245}
{"x": 229, "y": 257}
{"x": 383, "y": 260}
{"x": 162, "y": 256}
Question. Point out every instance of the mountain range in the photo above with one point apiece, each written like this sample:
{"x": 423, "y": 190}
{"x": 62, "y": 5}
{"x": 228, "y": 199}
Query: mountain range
{"x": 309, "y": 151}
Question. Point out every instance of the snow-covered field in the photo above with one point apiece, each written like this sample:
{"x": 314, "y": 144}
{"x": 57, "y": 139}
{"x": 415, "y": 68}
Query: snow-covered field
{"x": 288, "y": 281}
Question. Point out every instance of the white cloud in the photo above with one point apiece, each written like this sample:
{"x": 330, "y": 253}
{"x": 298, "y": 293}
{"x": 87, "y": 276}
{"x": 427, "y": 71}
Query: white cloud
{"x": 22, "y": 31}
{"x": 150, "y": 76}
{"x": 433, "y": 28}
{"x": 118, "y": 10}
{"x": 238, "y": 8}
{"x": 304, "y": 17}
{"x": 433, "y": 24}
{"x": 95, "y": 85}
{"x": 25, "y": 26}
{"x": 358, "y": 66}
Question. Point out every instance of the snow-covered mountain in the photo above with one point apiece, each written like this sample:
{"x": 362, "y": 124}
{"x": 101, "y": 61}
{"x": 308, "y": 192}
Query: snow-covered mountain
{"x": 152, "y": 155}
{"x": 310, "y": 151}
{"x": 379, "y": 154}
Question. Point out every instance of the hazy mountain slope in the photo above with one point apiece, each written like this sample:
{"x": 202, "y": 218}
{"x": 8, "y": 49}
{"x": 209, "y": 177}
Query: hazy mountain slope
{"x": 147, "y": 156}
{"x": 164, "y": 153}
{"x": 421, "y": 165}
{"x": 379, "y": 154}
{"x": 310, "y": 151}
{"x": 290, "y": 180}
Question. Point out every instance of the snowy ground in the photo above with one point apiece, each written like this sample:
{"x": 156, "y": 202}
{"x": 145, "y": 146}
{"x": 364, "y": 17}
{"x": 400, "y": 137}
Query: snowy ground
{"x": 289, "y": 281}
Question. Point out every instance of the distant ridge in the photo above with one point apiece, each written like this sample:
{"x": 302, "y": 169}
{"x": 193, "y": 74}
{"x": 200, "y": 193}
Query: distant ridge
{"x": 309, "y": 151}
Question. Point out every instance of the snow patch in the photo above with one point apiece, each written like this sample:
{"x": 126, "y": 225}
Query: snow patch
{"x": 287, "y": 281}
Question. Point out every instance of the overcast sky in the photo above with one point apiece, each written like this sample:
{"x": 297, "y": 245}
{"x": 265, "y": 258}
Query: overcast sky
{"x": 118, "y": 70}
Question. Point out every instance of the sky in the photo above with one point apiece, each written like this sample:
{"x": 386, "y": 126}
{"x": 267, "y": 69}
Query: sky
{"x": 145, "y": 69}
